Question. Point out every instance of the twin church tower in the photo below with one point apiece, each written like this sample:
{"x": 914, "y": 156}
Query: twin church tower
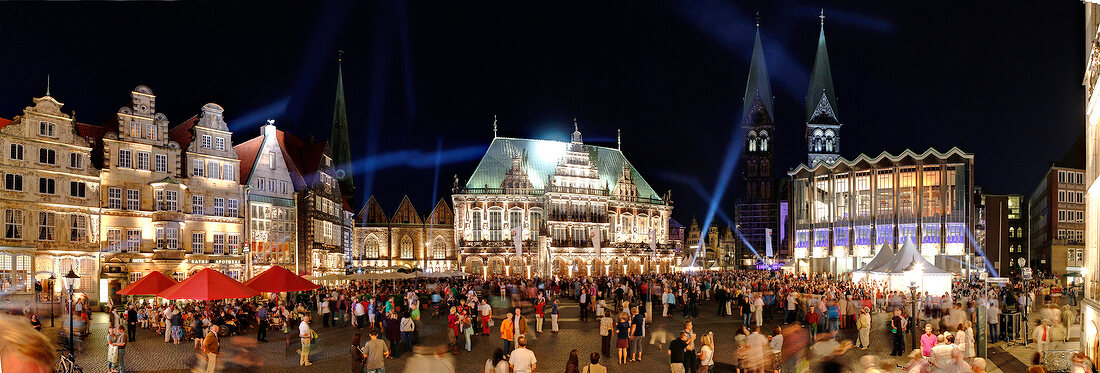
{"x": 758, "y": 209}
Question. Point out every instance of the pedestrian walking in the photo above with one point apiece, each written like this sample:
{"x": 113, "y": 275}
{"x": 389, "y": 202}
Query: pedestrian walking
{"x": 306, "y": 335}
{"x": 211, "y": 348}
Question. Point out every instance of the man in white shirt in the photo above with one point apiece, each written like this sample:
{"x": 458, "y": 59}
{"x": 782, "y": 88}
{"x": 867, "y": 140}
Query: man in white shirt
{"x": 306, "y": 335}
{"x": 167, "y": 330}
{"x": 359, "y": 311}
{"x": 522, "y": 359}
{"x": 758, "y": 309}
{"x": 486, "y": 312}
{"x": 994, "y": 316}
{"x": 1042, "y": 337}
{"x": 792, "y": 304}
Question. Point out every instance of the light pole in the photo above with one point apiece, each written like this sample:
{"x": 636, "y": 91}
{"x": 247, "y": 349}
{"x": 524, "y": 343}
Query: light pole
{"x": 913, "y": 273}
{"x": 70, "y": 282}
{"x": 247, "y": 260}
{"x": 50, "y": 296}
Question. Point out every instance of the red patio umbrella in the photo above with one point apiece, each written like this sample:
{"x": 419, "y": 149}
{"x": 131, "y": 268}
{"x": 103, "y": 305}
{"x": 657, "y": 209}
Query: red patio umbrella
{"x": 152, "y": 284}
{"x": 208, "y": 284}
{"x": 277, "y": 279}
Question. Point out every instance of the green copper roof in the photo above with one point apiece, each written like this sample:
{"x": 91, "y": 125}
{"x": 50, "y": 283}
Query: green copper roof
{"x": 542, "y": 159}
{"x": 821, "y": 81}
{"x": 758, "y": 83}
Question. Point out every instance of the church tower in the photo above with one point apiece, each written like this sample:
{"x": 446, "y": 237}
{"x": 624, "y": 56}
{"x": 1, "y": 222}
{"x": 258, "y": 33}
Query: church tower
{"x": 822, "y": 125}
{"x": 756, "y": 210}
{"x": 339, "y": 142}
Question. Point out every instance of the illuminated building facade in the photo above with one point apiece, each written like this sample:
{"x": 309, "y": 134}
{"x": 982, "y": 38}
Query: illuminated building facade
{"x": 404, "y": 240}
{"x": 325, "y": 219}
{"x": 1005, "y": 223}
{"x": 171, "y": 201}
{"x": 1057, "y": 214}
{"x": 48, "y": 201}
{"x": 719, "y": 246}
{"x": 758, "y": 209}
{"x": 1089, "y": 271}
{"x": 844, "y": 212}
{"x": 271, "y": 179}
{"x": 560, "y": 194}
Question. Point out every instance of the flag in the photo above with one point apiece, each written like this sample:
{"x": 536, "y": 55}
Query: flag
{"x": 652, "y": 244}
{"x": 517, "y": 238}
{"x": 596, "y": 241}
{"x": 768, "y": 242}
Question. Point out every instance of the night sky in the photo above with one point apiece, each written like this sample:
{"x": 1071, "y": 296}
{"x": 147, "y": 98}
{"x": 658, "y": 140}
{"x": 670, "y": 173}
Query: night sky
{"x": 999, "y": 80}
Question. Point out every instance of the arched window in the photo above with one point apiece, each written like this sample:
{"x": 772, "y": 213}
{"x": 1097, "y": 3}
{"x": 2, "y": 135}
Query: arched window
{"x": 752, "y": 141}
{"x": 406, "y": 248}
{"x": 475, "y": 225}
{"x": 439, "y": 249}
{"x": 763, "y": 140}
{"x": 830, "y": 138}
{"x": 371, "y": 249}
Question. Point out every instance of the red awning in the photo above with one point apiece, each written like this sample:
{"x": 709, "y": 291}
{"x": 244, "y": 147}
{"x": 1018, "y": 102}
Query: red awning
{"x": 208, "y": 284}
{"x": 153, "y": 283}
{"x": 277, "y": 279}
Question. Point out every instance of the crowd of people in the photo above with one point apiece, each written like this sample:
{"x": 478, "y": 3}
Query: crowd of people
{"x": 809, "y": 316}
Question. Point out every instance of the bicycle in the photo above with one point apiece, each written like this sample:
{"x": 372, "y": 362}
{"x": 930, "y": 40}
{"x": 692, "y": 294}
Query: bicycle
{"x": 66, "y": 363}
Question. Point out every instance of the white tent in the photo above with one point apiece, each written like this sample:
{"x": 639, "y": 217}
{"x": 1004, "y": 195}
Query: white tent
{"x": 885, "y": 256}
{"x": 909, "y": 267}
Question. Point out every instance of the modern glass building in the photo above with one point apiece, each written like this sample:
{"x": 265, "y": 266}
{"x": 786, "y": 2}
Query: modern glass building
{"x": 843, "y": 212}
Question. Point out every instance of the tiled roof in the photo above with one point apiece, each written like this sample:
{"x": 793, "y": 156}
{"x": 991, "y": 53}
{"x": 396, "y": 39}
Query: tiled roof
{"x": 4, "y": 122}
{"x": 542, "y": 159}
{"x": 248, "y": 152}
{"x": 181, "y": 133}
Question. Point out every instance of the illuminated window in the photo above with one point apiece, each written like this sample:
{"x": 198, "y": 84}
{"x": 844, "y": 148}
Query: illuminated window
{"x": 13, "y": 224}
{"x": 78, "y": 228}
{"x": 406, "y": 248}
{"x": 46, "y": 222}
{"x": 198, "y": 242}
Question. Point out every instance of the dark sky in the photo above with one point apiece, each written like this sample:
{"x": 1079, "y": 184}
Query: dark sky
{"x": 996, "y": 79}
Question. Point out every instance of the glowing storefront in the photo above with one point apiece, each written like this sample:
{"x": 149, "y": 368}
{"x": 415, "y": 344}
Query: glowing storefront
{"x": 845, "y": 211}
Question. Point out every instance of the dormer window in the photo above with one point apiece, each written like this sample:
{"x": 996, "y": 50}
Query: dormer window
{"x": 135, "y": 129}
{"x": 151, "y": 131}
{"x": 47, "y": 129}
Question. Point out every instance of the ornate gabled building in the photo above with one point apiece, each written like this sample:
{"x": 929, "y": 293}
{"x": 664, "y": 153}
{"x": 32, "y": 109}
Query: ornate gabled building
{"x": 822, "y": 124}
{"x": 272, "y": 178}
{"x": 757, "y": 210}
{"x": 324, "y": 218}
{"x": 406, "y": 240}
{"x": 718, "y": 248}
{"x": 171, "y": 200}
{"x": 48, "y": 201}
{"x": 560, "y": 195}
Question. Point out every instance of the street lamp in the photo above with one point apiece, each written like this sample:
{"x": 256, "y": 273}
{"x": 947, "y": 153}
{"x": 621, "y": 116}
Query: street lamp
{"x": 49, "y": 296}
{"x": 914, "y": 272}
{"x": 70, "y": 282}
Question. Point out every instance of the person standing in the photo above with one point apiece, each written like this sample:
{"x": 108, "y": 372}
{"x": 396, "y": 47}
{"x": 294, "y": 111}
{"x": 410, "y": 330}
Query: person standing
{"x": 896, "y": 331}
{"x": 131, "y": 323}
{"x": 539, "y": 315}
{"x": 637, "y": 333}
{"x": 486, "y": 312}
{"x": 758, "y": 309}
{"x": 211, "y": 348}
{"x": 519, "y": 325}
{"x": 792, "y": 305}
{"x": 119, "y": 341}
{"x": 994, "y": 316}
{"x": 326, "y": 312}
{"x": 167, "y": 317}
{"x": 676, "y": 352}
{"x": 582, "y": 300}
{"x": 507, "y": 334}
{"x": 305, "y": 333}
{"x": 407, "y": 327}
{"x": 706, "y": 353}
{"x": 554, "y": 316}
{"x": 863, "y": 324}
{"x": 359, "y": 311}
{"x": 467, "y": 328}
{"x": 261, "y": 323}
{"x": 607, "y": 324}
{"x": 522, "y": 360}
{"x": 594, "y": 366}
{"x": 622, "y": 336}
{"x": 376, "y": 352}
{"x": 669, "y": 302}
{"x": 177, "y": 325}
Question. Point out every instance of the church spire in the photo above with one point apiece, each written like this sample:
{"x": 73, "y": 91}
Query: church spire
{"x": 339, "y": 142}
{"x": 758, "y": 87}
{"x": 821, "y": 91}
